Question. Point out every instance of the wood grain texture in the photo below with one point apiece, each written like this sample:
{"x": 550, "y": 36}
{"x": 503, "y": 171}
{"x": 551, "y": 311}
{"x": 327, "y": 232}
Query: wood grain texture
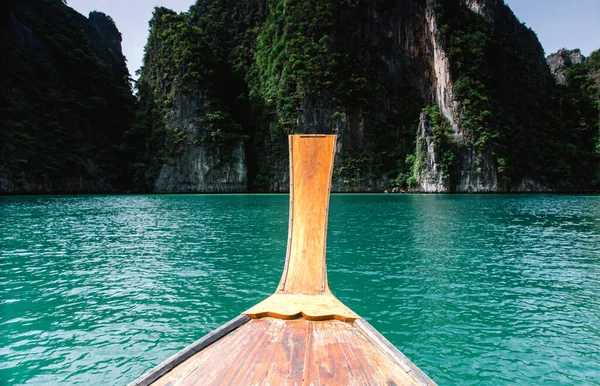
{"x": 301, "y": 335}
{"x": 311, "y": 165}
{"x": 311, "y": 307}
{"x": 303, "y": 290}
{"x": 384, "y": 345}
{"x": 181, "y": 356}
{"x": 298, "y": 352}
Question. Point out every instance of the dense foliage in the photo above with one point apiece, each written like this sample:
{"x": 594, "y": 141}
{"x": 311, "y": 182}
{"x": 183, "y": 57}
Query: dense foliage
{"x": 190, "y": 54}
{"x": 65, "y": 98}
{"x": 231, "y": 72}
{"x": 534, "y": 128}
{"x": 312, "y": 73}
{"x": 583, "y": 80}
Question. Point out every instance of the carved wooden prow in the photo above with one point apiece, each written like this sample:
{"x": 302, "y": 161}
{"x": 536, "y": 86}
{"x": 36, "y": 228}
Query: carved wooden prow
{"x": 311, "y": 161}
{"x": 256, "y": 348}
{"x": 303, "y": 289}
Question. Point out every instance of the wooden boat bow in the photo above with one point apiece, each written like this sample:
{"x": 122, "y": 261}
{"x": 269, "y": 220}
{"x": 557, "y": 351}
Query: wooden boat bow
{"x": 302, "y": 334}
{"x": 304, "y": 289}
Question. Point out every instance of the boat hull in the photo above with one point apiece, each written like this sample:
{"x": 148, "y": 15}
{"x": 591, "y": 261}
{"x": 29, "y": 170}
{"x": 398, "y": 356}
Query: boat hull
{"x": 272, "y": 351}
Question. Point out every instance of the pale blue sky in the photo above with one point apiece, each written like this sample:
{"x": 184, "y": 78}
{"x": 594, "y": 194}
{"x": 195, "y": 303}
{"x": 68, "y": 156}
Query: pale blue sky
{"x": 558, "y": 23}
{"x": 131, "y": 17}
{"x": 561, "y": 23}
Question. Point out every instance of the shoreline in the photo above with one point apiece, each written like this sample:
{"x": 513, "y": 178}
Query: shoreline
{"x": 67, "y": 194}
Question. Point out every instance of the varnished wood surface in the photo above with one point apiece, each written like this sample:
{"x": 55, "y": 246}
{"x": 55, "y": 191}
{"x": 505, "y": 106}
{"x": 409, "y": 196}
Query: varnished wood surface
{"x": 311, "y": 165}
{"x": 303, "y": 289}
{"x": 310, "y": 307}
{"x": 294, "y": 352}
{"x": 302, "y": 334}
{"x": 199, "y": 345}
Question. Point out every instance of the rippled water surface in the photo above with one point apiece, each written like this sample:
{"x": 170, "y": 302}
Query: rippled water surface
{"x": 474, "y": 289}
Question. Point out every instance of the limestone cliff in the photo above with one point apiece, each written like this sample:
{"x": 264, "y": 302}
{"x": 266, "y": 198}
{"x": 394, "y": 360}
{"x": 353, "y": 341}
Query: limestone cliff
{"x": 65, "y": 99}
{"x": 192, "y": 93}
{"x": 424, "y": 95}
{"x": 199, "y": 164}
{"x": 561, "y": 61}
{"x": 474, "y": 169}
{"x": 497, "y": 92}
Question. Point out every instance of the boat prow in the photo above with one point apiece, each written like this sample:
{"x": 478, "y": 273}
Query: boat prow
{"x": 302, "y": 334}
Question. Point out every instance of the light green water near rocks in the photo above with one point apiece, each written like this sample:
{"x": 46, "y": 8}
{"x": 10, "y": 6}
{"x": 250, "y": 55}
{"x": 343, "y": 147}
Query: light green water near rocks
{"x": 475, "y": 289}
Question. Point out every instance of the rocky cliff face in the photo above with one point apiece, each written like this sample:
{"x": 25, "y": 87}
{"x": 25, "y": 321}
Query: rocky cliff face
{"x": 194, "y": 92}
{"x": 376, "y": 77}
{"x": 199, "y": 166}
{"x": 475, "y": 169}
{"x": 501, "y": 92}
{"x": 425, "y": 95}
{"x": 561, "y": 61}
{"x": 65, "y": 99}
{"x": 578, "y": 78}
{"x": 432, "y": 178}
{"x": 482, "y": 53}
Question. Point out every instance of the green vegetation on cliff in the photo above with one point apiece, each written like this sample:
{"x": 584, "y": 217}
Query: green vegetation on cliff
{"x": 64, "y": 102}
{"x": 583, "y": 80}
{"x": 583, "y": 93}
{"x": 535, "y": 129}
{"x": 313, "y": 73}
{"x": 441, "y": 130}
{"x": 265, "y": 75}
{"x": 466, "y": 37}
{"x": 232, "y": 74}
{"x": 291, "y": 59}
{"x": 188, "y": 56}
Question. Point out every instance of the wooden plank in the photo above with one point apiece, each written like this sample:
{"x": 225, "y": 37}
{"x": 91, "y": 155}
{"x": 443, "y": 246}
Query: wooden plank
{"x": 294, "y": 352}
{"x": 256, "y": 363}
{"x": 283, "y": 359}
{"x": 189, "y": 367}
{"x": 219, "y": 370}
{"x": 151, "y": 376}
{"x": 386, "y": 370}
{"x": 240, "y": 357}
{"x": 293, "y": 345}
{"x": 310, "y": 375}
{"x": 311, "y": 307}
{"x": 311, "y": 160}
{"x": 270, "y": 359}
{"x": 390, "y": 350}
{"x": 328, "y": 350}
{"x": 363, "y": 372}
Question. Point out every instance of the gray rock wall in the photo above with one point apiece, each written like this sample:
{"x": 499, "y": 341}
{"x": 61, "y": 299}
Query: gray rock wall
{"x": 477, "y": 170}
{"x": 429, "y": 174}
{"x": 199, "y": 164}
{"x": 201, "y": 169}
{"x": 560, "y": 61}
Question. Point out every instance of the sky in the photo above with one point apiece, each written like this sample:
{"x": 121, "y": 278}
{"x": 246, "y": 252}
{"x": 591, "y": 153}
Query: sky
{"x": 558, "y": 23}
{"x": 131, "y": 18}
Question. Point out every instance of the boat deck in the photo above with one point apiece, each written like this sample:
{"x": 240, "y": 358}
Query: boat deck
{"x": 272, "y": 351}
{"x": 302, "y": 334}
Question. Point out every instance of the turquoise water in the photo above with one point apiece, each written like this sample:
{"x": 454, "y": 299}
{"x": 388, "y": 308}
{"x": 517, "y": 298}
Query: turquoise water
{"x": 475, "y": 289}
